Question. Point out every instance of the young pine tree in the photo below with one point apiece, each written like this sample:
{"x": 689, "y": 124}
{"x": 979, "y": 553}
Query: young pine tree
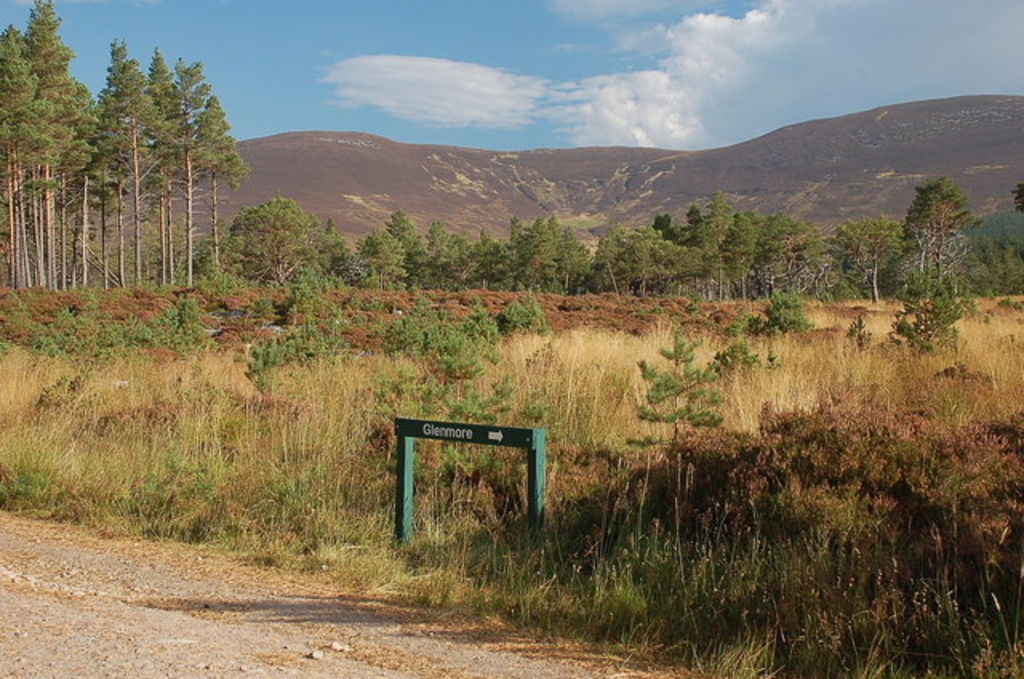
{"x": 682, "y": 395}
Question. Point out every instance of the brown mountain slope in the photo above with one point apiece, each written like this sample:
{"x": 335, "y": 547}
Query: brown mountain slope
{"x": 825, "y": 171}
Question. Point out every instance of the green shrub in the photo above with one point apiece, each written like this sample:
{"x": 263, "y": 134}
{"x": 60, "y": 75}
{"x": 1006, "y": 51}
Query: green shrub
{"x": 219, "y": 283}
{"x": 785, "y": 313}
{"x": 25, "y": 488}
{"x": 306, "y": 295}
{"x": 523, "y": 315}
{"x": 454, "y": 347}
{"x": 180, "y": 501}
{"x": 180, "y": 328}
{"x": 736, "y": 357}
{"x": 931, "y": 310}
{"x": 299, "y": 344}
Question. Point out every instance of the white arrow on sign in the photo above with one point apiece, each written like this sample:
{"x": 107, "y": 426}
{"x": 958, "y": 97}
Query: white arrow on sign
{"x": 495, "y": 436}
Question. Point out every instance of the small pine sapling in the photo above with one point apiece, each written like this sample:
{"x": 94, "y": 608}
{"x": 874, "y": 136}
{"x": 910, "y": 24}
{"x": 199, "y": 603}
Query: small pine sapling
{"x": 681, "y": 395}
{"x": 931, "y": 310}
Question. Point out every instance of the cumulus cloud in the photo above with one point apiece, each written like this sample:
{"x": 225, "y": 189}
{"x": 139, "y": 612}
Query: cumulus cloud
{"x": 722, "y": 79}
{"x": 438, "y": 91}
{"x": 629, "y": 109}
{"x": 707, "y": 53}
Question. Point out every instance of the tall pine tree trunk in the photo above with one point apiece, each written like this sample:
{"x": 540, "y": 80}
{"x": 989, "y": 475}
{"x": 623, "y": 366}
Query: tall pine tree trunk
{"x": 85, "y": 231}
{"x": 50, "y": 217}
{"x": 121, "y": 277}
{"x": 162, "y": 232}
{"x": 24, "y": 270}
{"x": 171, "y": 262}
{"x": 189, "y": 217}
{"x": 39, "y": 235}
{"x": 104, "y": 251}
{"x": 214, "y": 228}
{"x": 63, "y": 273}
{"x": 136, "y": 203}
{"x": 12, "y": 224}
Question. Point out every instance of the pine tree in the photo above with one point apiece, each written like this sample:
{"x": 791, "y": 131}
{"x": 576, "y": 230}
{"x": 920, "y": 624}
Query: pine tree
{"x": 220, "y": 162}
{"x": 936, "y": 221}
{"x": 73, "y": 173}
{"x": 125, "y": 114}
{"x": 402, "y": 229}
{"x": 447, "y": 262}
{"x": 160, "y": 87}
{"x": 271, "y": 242}
{"x": 191, "y": 95}
{"x": 490, "y": 263}
{"x": 57, "y": 97}
{"x": 17, "y": 116}
{"x": 866, "y": 243}
{"x": 682, "y": 395}
{"x": 384, "y": 253}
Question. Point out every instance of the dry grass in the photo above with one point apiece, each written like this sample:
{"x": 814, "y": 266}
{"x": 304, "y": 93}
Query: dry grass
{"x": 188, "y": 449}
{"x": 584, "y": 384}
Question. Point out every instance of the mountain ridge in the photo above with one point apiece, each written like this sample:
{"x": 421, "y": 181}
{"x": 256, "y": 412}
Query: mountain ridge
{"x": 825, "y": 171}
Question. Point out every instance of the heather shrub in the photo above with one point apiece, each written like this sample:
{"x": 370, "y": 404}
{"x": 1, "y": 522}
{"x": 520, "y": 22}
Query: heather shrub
{"x": 835, "y": 533}
{"x": 75, "y": 324}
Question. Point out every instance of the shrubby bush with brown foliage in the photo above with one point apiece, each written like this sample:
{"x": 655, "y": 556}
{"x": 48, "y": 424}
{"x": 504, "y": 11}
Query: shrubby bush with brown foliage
{"x": 837, "y": 535}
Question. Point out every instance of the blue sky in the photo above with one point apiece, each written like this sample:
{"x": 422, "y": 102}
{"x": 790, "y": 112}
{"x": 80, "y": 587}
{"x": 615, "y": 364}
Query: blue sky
{"x": 520, "y": 74}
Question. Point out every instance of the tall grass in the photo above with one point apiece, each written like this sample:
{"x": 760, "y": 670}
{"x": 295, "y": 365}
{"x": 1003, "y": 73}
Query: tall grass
{"x": 857, "y": 515}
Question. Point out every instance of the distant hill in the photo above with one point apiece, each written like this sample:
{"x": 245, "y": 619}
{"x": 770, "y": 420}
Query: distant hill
{"x": 824, "y": 171}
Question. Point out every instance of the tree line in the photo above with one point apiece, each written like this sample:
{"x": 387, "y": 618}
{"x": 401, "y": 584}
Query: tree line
{"x": 714, "y": 252}
{"x": 106, "y": 190}
{"x": 109, "y": 190}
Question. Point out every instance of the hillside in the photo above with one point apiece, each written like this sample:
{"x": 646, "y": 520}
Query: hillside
{"x": 824, "y": 171}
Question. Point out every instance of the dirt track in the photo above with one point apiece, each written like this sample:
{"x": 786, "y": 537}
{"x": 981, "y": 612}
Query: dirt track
{"x": 73, "y": 604}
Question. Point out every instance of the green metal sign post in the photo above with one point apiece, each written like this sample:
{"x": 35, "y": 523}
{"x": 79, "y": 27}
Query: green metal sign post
{"x": 407, "y": 431}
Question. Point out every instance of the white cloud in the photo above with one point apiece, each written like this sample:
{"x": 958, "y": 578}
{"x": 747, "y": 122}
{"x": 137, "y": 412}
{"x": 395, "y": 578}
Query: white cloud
{"x": 719, "y": 79}
{"x": 438, "y": 91}
{"x": 630, "y": 109}
{"x": 665, "y": 107}
{"x": 723, "y": 79}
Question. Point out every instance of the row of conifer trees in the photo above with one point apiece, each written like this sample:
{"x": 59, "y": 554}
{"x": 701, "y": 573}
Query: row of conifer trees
{"x": 105, "y": 189}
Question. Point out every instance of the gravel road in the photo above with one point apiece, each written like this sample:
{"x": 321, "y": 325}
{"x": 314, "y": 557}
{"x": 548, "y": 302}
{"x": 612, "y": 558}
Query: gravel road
{"x": 76, "y": 604}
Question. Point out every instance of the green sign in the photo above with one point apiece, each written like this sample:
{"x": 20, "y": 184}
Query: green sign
{"x": 407, "y": 431}
{"x": 513, "y": 437}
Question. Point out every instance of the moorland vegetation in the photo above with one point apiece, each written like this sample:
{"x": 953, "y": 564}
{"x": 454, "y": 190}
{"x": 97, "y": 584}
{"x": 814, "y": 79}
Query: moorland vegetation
{"x": 740, "y": 488}
{"x": 744, "y": 480}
